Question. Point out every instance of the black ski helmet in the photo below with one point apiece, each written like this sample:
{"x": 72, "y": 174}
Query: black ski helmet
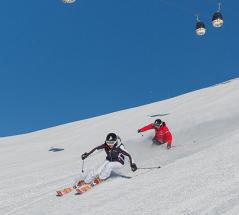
{"x": 111, "y": 139}
{"x": 158, "y": 122}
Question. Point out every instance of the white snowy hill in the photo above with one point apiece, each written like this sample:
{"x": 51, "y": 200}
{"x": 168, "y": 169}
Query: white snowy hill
{"x": 199, "y": 175}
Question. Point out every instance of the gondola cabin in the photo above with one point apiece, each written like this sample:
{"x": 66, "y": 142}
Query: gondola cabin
{"x": 217, "y": 20}
{"x": 200, "y": 28}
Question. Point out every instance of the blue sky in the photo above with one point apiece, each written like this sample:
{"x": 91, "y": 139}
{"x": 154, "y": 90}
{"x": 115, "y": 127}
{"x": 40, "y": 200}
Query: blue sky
{"x": 62, "y": 63}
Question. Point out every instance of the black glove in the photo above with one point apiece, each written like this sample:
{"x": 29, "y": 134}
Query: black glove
{"x": 84, "y": 156}
{"x": 139, "y": 131}
{"x": 133, "y": 167}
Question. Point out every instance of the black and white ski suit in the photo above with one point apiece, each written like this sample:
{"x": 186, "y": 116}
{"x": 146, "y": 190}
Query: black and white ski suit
{"x": 115, "y": 159}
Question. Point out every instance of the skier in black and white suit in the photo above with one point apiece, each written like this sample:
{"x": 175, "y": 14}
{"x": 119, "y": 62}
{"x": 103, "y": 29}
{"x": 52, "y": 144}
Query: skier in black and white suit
{"x": 115, "y": 159}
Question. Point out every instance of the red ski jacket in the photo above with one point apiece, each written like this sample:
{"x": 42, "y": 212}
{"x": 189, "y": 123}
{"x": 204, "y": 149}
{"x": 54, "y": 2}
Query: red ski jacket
{"x": 162, "y": 133}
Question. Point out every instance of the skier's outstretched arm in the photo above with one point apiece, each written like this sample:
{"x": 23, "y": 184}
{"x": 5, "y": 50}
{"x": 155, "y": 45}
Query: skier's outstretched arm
{"x": 85, "y": 155}
{"x": 145, "y": 128}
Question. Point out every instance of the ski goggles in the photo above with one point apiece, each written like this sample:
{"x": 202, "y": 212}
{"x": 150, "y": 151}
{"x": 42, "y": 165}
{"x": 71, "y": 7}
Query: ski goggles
{"x": 110, "y": 142}
{"x": 158, "y": 125}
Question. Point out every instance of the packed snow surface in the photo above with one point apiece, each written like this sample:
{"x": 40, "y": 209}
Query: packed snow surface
{"x": 199, "y": 174}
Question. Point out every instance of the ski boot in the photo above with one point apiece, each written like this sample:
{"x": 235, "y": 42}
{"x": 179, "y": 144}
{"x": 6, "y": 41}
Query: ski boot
{"x": 96, "y": 181}
{"x": 79, "y": 184}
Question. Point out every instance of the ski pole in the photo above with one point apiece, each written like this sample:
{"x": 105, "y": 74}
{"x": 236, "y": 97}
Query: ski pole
{"x": 141, "y": 134}
{"x": 82, "y": 168}
{"x": 152, "y": 167}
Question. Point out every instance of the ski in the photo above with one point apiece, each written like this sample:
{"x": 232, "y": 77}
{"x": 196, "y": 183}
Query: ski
{"x": 154, "y": 115}
{"x": 64, "y": 191}
{"x": 81, "y": 187}
{"x": 85, "y": 187}
{"x": 70, "y": 189}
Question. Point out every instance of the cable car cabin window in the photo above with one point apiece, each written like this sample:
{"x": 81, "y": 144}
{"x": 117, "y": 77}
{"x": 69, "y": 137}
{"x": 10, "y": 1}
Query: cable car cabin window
{"x": 217, "y": 15}
{"x": 200, "y": 25}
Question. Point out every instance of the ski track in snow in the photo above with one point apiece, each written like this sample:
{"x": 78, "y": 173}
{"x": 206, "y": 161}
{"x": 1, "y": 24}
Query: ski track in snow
{"x": 199, "y": 175}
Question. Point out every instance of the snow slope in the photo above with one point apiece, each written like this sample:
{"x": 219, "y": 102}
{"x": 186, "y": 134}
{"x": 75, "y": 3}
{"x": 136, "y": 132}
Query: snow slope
{"x": 199, "y": 175}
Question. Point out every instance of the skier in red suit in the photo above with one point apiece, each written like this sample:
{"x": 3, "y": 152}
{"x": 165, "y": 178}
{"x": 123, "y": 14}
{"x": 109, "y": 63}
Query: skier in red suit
{"x": 162, "y": 133}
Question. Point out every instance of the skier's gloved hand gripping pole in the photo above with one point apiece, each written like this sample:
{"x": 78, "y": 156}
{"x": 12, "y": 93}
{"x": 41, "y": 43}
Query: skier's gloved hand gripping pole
{"x": 133, "y": 167}
{"x": 140, "y": 132}
{"x": 84, "y": 156}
